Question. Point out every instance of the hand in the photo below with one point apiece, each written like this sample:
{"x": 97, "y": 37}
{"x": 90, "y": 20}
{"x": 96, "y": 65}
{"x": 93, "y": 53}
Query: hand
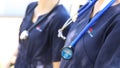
{"x": 11, "y": 62}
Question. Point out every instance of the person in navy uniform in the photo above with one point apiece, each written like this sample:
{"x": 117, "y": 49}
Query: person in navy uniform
{"x": 99, "y": 46}
{"x": 40, "y": 47}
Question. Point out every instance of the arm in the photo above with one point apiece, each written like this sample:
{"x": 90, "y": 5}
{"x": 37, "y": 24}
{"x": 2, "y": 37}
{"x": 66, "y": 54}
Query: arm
{"x": 12, "y": 59}
{"x": 56, "y": 64}
{"x": 57, "y": 43}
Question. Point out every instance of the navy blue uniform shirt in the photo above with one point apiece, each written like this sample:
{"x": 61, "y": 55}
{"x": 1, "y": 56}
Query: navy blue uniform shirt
{"x": 43, "y": 44}
{"x": 101, "y": 47}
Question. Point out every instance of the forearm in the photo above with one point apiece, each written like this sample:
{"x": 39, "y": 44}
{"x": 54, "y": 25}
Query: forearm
{"x": 56, "y": 64}
{"x": 12, "y": 59}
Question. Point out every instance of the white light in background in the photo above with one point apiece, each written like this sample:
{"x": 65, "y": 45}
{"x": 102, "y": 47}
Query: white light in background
{"x": 18, "y": 7}
{"x": 9, "y": 27}
{"x": 75, "y": 5}
{"x": 13, "y": 7}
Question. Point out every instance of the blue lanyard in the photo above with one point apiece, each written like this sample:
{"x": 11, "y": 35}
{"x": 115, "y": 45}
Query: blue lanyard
{"x": 91, "y": 23}
{"x": 86, "y": 7}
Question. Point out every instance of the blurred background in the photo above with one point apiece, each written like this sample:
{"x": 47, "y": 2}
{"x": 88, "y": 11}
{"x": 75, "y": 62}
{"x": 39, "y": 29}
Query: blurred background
{"x": 11, "y": 15}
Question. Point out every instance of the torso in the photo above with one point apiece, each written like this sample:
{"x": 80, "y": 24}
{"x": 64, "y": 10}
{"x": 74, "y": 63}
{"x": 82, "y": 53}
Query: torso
{"x": 38, "y": 46}
{"x": 87, "y": 48}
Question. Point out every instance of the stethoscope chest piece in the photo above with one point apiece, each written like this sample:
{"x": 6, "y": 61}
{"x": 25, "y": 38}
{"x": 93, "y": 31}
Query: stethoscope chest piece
{"x": 24, "y": 35}
{"x": 67, "y": 53}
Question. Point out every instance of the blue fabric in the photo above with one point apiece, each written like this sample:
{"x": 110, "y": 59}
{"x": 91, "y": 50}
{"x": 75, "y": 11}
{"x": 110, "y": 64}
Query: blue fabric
{"x": 43, "y": 44}
{"x": 103, "y": 49}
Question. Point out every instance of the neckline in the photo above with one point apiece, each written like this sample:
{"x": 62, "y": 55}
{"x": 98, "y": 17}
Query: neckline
{"x": 32, "y": 15}
{"x": 39, "y": 16}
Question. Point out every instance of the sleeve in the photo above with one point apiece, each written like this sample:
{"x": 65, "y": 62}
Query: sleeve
{"x": 30, "y": 7}
{"x": 57, "y": 43}
{"x": 109, "y": 55}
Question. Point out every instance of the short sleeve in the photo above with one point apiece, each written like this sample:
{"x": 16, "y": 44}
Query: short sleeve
{"x": 30, "y": 7}
{"x": 57, "y": 43}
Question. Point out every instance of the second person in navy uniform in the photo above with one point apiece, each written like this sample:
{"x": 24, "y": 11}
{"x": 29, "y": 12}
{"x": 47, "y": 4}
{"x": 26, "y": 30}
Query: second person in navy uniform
{"x": 99, "y": 46}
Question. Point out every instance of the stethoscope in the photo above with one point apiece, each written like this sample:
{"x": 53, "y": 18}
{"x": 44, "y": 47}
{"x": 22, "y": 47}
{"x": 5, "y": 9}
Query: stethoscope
{"x": 67, "y": 52}
{"x": 89, "y": 4}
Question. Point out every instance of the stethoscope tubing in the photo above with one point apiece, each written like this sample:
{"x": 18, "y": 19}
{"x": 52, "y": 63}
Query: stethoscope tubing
{"x": 91, "y": 23}
{"x": 80, "y": 12}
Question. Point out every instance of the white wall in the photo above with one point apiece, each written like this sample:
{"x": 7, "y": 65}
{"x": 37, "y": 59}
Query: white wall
{"x": 18, "y": 7}
{"x": 13, "y": 7}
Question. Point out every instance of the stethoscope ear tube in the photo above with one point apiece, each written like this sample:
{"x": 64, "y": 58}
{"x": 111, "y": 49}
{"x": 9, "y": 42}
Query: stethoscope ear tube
{"x": 80, "y": 12}
{"x": 86, "y": 7}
